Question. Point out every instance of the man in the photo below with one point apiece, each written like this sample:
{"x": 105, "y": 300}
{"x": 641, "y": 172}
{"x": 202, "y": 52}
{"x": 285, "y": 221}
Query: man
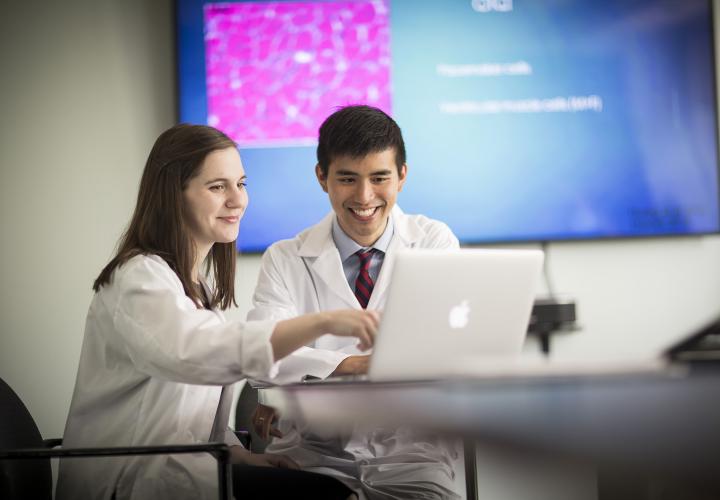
{"x": 345, "y": 261}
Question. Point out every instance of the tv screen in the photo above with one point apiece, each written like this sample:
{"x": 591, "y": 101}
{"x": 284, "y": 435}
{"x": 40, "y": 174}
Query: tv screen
{"x": 524, "y": 120}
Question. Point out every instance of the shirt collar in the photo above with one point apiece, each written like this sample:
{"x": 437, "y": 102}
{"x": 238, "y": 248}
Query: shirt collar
{"x": 347, "y": 246}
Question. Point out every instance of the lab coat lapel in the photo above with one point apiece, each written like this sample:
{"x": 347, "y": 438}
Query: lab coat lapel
{"x": 319, "y": 248}
{"x": 208, "y": 293}
{"x": 329, "y": 268}
{"x": 214, "y": 398}
{"x": 406, "y": 235}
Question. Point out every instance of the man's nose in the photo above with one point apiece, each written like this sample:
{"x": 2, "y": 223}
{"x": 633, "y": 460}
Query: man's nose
{"x": 364, "y": 192}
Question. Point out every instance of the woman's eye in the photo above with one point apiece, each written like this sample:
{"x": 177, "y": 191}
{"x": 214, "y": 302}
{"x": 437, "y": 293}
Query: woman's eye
{"x": 217, "y": 187}
{"x": 242, "y": 185}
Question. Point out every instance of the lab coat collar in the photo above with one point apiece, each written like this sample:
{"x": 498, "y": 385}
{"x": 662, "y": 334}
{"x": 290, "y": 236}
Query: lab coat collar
{"x": 209, "y": 293}
{"x": 318, "y": 244}
{"x": 407, "y": 230}
{"x": 318, "y": 239}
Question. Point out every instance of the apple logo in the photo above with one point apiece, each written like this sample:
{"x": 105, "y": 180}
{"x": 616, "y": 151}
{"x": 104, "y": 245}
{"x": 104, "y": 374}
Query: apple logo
{"x": 458, "y": 317}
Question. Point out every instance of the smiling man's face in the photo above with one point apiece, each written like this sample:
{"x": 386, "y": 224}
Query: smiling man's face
{"x": 362, "y": 193}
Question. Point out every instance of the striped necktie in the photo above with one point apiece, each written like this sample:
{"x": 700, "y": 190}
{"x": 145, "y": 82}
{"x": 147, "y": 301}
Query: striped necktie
{"x": 364, "y": 284}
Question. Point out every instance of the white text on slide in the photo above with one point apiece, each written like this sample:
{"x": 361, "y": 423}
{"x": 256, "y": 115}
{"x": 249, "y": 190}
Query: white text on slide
{"x": 570, "y": 104}
{"x": 484, "y": 6}
{"x": 519, "y": 68}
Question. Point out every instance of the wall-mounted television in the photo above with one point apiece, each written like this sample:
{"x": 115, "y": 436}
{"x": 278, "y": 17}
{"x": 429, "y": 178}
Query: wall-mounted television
{"x": 524, "y": 120}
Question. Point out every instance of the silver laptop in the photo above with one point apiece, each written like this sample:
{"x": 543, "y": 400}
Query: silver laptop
{"x": 450, "y": 305}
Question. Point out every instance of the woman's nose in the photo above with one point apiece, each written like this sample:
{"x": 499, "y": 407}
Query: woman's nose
{"x": 237, "y": 197}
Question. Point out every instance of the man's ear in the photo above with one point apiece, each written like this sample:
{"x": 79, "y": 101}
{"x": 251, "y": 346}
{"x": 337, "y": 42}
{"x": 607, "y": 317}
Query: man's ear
{"x": 321, "y": 177}
{"x": 402, "y": 175}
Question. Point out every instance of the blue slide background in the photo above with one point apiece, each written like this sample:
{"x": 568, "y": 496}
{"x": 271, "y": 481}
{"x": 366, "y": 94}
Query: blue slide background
{"x": 644, "y": 165}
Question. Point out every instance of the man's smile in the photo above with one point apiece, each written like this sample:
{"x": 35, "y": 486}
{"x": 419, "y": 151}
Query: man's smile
{"x": 364, "y": 213}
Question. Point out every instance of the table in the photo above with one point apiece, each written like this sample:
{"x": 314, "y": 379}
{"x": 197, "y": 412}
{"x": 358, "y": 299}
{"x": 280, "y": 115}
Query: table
{"x": 661, "y": 423}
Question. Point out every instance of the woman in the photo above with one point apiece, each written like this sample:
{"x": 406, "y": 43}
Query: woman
{"x": 157, "y": 351}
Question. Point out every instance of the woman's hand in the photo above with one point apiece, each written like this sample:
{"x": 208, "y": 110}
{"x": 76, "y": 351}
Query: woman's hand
{"x": 263, "y": 419}
{"x": 353, "y": 323}
{"x": 291, "y": 334}
{"x": 239, "y": 455}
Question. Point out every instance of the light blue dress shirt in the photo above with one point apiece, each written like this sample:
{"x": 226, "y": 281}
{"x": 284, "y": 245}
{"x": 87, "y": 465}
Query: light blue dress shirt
{"x": 348, "y": 247}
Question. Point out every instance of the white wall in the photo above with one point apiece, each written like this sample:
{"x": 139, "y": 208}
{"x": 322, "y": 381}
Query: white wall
{"x": 86, "y": 86}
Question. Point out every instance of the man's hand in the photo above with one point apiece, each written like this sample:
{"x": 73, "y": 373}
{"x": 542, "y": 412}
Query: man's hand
{"x": 263, "y": 419}
{"x": 353, "y": 365}
{"x": 239, "y": 455}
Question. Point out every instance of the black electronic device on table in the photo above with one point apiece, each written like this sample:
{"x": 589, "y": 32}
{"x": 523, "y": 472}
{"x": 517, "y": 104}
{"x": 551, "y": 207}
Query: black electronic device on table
{"x": 701, "y": 346}
{"x": 551, "y": 315}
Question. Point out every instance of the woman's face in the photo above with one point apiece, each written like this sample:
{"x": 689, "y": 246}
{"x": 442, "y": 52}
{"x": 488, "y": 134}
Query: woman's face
{"x": 216, "y": 199}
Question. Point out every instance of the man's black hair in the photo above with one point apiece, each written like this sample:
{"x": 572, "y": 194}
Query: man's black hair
{"x": 356, "y": 131}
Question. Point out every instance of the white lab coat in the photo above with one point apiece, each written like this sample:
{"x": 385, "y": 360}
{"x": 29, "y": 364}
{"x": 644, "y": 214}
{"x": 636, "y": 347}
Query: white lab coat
{"x": 305, "y": 275}
{"x": 151, "y": 372}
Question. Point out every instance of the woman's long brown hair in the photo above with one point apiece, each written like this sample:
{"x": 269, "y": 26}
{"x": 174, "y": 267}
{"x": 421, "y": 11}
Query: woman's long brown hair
{"x": 158, "y": 225}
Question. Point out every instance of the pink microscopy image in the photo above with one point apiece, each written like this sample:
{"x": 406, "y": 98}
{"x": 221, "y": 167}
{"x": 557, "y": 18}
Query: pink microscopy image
{"x": 276, "y": 70}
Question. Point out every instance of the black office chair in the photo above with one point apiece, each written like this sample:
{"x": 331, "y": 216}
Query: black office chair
{"x": 25, "y": 457}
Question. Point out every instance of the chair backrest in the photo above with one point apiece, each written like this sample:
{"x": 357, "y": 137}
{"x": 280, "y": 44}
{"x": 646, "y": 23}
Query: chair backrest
{"x": 21, "y": 479}
{"x": 246, "y": 404}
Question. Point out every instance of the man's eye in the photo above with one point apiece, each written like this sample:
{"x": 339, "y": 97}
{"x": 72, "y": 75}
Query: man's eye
{"x": 378, "y": 180}
{"x": 217, "y": 187}
{"x": 346, "y": 180}
{"x": 242, "y": 185}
